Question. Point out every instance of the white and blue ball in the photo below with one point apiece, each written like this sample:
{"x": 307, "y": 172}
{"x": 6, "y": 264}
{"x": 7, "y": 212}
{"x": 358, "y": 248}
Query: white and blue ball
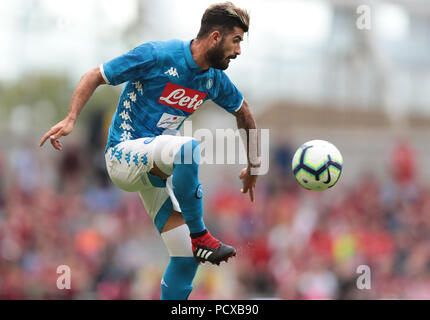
{"x": 317, "y": 165}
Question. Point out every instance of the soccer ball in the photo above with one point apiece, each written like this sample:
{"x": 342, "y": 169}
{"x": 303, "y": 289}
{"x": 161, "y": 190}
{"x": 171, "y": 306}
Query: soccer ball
{"x": 317, "y": 165}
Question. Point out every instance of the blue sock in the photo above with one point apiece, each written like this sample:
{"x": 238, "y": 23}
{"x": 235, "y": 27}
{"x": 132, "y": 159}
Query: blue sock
{"x": 178, "y": 278}
{"x": 186, "y": 185}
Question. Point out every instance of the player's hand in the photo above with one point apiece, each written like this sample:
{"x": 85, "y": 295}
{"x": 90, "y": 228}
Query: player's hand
{"x": 62, "y": 128}
{"x": 248, "y": 182}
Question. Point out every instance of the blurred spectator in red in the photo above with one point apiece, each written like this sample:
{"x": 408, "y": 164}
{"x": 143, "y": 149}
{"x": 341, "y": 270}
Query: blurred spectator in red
{"x": 403, "y": 163}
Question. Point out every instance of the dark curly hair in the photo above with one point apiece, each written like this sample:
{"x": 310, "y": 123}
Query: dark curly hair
{"x": 223, "y": 17}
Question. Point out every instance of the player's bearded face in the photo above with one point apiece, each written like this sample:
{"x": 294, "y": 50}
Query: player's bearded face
{"x": 219, "y": 56}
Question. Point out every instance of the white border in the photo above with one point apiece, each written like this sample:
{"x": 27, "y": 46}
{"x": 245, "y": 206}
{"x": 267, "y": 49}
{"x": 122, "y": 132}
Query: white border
{"x": 240, "y": 106}
{"x": 102, "y": 71}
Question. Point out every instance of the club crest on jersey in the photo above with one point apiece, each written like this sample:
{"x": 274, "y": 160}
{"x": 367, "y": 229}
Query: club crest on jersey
{"x": 182, "y": 98}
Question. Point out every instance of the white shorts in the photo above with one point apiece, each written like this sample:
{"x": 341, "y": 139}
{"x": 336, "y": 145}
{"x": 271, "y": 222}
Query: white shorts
{"x": 128, "y": 165}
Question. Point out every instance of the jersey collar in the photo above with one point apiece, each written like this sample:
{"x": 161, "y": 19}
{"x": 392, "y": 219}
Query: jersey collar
{"x": 189, "y": 57}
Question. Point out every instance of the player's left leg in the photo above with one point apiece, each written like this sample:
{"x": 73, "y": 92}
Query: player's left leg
{"x": 176, "y": 283}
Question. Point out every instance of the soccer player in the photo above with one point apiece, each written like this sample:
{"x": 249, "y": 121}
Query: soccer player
{"x": 165, "y": 83}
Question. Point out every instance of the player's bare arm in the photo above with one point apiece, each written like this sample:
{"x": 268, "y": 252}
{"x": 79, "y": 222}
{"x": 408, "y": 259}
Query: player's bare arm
{"x": 83, "y": 91}
{"x": 245, "y": 120}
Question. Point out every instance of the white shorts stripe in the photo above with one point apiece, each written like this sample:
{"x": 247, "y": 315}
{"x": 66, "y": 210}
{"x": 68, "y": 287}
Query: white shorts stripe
{"x": 175, "y": 202}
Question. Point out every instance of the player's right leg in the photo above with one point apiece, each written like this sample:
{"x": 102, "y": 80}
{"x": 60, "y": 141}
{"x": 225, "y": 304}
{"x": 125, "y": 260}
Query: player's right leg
{"x": 180, "y": 158}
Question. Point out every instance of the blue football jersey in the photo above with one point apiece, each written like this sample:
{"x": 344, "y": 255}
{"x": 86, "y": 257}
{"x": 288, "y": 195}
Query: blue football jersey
{"x": 164, "y": 86}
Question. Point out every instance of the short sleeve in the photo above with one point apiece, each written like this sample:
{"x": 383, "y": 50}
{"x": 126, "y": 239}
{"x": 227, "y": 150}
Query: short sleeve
{"x": 228, "y": 96}
{"x": 129, "y": 66}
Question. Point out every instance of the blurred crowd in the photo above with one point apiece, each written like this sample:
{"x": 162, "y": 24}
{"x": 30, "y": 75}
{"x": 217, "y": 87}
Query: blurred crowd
{"x": 292, "y": 243}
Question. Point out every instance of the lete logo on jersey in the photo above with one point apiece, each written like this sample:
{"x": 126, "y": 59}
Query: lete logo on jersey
{"x": 181, "y": 98}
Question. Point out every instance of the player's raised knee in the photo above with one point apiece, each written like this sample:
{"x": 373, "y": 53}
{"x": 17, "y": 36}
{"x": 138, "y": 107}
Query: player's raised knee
{"x": 189, "y": 153}
{"x": 195, "y": 146}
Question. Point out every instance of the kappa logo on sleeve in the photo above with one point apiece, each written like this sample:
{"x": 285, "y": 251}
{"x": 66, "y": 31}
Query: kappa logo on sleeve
{"x": 182, "y": 98}
{"x": 172, "y": 71}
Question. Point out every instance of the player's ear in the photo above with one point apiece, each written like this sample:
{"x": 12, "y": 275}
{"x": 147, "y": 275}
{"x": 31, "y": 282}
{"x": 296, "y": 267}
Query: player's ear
{"x": 215, "y": 37}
